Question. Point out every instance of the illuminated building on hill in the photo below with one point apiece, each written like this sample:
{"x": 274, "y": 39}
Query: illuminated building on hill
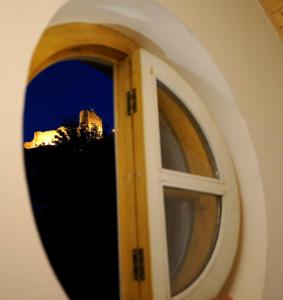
{"x": 88, "y": 119}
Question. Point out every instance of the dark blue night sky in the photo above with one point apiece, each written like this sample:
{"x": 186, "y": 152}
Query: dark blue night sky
{"x": 59, "y": 93}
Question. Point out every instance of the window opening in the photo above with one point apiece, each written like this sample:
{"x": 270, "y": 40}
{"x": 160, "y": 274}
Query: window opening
{"x": 184, "y": 210}
{"x": 69, "y": 153}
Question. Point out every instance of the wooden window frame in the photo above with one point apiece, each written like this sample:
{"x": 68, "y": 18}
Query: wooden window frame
{"x": 97, "y": 42}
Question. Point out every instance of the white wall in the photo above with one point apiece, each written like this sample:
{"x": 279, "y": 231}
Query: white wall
{"x": 247, "y": 51}
{"x": 24, "y": 270}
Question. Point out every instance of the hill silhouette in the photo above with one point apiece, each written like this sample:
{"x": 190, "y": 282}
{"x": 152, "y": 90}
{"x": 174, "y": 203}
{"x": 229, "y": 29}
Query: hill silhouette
{"x": 73, "y": 194}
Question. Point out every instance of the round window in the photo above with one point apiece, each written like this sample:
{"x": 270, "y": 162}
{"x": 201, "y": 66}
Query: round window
{"x": 192, "y": 192}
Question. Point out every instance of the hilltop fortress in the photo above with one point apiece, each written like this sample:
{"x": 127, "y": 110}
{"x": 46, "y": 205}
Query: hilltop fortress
{"x": 88, "y": 119}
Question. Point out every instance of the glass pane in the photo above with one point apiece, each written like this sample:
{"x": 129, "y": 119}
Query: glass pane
{"x": 183, "y": 145}
{"x": 70, "y": 158}
{"x": 192, "y": 225}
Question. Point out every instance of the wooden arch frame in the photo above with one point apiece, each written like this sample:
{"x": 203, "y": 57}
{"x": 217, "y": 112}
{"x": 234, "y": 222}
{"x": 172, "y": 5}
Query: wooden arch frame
{"x": 77, "y": 40}
{"x": 98, "y": 42}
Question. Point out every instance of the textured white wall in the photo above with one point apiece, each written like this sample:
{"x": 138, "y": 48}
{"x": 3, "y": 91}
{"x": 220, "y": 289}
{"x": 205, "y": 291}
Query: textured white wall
{"x": 245, "y": 48}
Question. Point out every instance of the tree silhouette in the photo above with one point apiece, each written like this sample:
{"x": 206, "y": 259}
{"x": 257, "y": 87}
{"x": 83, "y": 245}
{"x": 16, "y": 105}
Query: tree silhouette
{"x": 77, "y": 139}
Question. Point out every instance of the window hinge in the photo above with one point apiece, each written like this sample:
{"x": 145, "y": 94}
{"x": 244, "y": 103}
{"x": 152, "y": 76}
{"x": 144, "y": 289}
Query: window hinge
{"x": 138, "y": 264}
{"x": 132, "y": 102}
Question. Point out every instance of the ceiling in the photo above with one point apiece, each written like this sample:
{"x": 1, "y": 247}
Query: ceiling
{"x": 274, "y": 10}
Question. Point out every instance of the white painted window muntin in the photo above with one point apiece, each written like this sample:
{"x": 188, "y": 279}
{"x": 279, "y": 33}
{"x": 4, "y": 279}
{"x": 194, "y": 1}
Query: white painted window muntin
{"x": 194, "y": 182}
{"x": 216, "y": 272}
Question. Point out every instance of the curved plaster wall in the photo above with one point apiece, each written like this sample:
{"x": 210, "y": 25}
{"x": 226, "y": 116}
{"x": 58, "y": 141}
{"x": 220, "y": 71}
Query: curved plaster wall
{"x": 143, "y": 19}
